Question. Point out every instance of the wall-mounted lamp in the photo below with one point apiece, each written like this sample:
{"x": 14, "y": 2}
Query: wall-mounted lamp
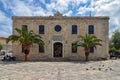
{"x": 49, "y": 41}
{"x": 66, "y": 42}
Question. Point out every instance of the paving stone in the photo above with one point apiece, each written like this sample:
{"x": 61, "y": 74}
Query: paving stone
{"x": 60, "y": 70}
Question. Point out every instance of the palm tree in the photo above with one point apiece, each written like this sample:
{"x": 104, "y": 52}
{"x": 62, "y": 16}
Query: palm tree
{"x": 26, "y": 39}
{"x": 1, "y": 46}
{"x": 87, "y": 41}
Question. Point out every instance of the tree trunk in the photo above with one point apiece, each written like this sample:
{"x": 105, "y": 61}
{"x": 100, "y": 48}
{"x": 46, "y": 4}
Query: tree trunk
{"x": 26, "y": 51}
{"x": 26, "y": 57}
{"x": 26, "y": 54}
{"x": 86, "y": 56}
{"x": 86, "y": 53}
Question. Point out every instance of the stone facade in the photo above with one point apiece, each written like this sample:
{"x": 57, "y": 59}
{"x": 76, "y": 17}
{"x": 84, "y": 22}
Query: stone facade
{"x": 65, "y": 36}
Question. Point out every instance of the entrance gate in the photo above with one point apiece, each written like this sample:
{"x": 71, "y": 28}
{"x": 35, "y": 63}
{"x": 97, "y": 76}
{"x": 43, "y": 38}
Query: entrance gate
{"x": 57, "y": 49}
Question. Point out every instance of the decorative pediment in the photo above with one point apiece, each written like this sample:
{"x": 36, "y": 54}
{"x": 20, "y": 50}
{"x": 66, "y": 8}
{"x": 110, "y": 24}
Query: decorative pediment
{"x": 57, "y": 14}
{"x": 57, "y": 38}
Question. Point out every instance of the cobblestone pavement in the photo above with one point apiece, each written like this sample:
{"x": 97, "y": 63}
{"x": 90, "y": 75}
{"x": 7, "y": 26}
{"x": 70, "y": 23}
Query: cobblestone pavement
{"x": 73, "y": 70}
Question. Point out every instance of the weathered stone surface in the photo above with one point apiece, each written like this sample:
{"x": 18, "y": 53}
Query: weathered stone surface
{"x": 74, "y": 70}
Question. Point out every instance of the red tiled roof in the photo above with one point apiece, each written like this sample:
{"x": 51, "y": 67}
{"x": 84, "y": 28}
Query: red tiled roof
{"x": 3, "y": 38}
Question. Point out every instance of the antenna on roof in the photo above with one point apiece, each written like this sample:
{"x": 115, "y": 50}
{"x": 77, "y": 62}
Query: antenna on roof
{"x": 90, "y": 13}
{"x": 90, "y": 8}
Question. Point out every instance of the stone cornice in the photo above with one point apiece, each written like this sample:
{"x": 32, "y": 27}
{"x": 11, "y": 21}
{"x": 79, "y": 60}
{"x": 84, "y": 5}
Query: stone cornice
{"x": 58, "y": 17}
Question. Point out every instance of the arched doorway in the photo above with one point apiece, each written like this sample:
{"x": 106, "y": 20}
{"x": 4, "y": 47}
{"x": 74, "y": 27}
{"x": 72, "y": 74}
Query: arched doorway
{"x": 57, "y": 49}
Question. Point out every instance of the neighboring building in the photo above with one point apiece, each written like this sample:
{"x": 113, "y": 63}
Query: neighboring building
{"x": 4, "y": 44}
{"x": 59, "y": 32}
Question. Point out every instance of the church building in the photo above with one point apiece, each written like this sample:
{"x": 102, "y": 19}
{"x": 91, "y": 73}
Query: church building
{"x": 59, "y": 33}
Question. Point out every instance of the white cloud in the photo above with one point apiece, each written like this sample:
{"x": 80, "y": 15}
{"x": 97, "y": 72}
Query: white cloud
{"x": 62, "y": 5}
{"x": 3, "y": 18}
{"x": 19, "y": 8}
{"x": 5, "y": 25}
{"x": 68, "y": 13}
{"x": 5, "y": 3}
{"x": 50, "y": 6}
{"x": 29, "y": 8}
{"x": 59, "y": 5}
{"x": 109, "y": 8}
{"x": 42, "y": 1}
{"x": 83, "y": 10}
{"x": 6, "y": 29}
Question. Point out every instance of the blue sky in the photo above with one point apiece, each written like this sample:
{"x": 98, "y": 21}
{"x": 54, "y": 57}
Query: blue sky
{"x": 9, "y": 8}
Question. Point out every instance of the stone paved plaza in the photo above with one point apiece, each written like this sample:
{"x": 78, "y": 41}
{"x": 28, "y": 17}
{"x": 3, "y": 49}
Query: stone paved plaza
{"x": 73, "y": 70}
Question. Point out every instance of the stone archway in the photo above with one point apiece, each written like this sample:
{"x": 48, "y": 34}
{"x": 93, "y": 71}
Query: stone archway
{"x": 57, "y": 49}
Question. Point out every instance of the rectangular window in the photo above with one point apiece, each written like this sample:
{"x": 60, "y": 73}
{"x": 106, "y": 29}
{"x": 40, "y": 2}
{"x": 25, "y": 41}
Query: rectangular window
{"x": 91, "y": 49}
{"x": 74, "y": 50}
{"x": 41, "y": 29}
{"x": 25, "y": 27}
{"x": 74, "y": 29}
{"x": 91, "y": 29}
{"x": 41, "y": 49}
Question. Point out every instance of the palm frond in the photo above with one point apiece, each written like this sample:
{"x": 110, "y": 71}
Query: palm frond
{"x": 1, "y": 47}
{"x": 88, "y": 41}
{"x": 26, "y": 37}
{"x": 18, "y": 30}
{"x": 12, "y": 38}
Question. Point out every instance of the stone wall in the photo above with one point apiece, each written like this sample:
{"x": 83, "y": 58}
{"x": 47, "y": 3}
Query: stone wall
{"x": 101, "y": 25}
